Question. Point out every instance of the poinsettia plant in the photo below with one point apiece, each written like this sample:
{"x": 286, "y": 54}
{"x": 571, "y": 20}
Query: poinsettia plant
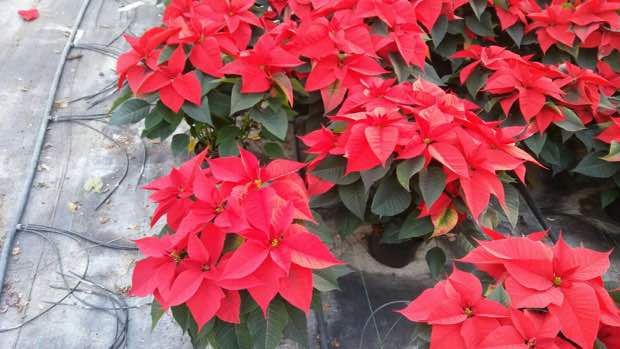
{"x": 234, "y": 254}
{"x": 540, "y": 297}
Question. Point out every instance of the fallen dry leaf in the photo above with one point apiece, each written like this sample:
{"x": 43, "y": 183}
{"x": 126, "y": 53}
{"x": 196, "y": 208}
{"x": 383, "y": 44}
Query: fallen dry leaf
{"x": 93, "y": 184}
{"x": 73, "y": 207}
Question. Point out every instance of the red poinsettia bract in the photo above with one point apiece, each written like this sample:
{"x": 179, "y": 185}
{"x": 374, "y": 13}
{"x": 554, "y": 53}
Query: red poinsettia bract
{"x": 235, "y": 200}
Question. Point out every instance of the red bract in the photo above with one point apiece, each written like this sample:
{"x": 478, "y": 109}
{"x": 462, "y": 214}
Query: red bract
{"x": 371, "y": 138}
{"x": 132, "y": 65}
{"x": 260, "y": 66}
{"x": 552, "y": 26}
{"x": 529, "y": 329}
{"x": 29, "y": 15}
{"x": 563, "y": 279}
{"x": 460, "y": 316}
{"x": 527, "y": 84}
{"x": 279, "y": 175}
{"x": 234, "y": 195}
{"x": 173, "y": 86}
{"x": 273, "y": 244}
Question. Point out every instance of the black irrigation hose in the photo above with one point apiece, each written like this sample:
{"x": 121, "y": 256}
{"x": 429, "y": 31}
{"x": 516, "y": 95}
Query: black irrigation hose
{"x": 45, "y": 229}
{"x": 540, "y": 219}
{"x": 38, "y": 147}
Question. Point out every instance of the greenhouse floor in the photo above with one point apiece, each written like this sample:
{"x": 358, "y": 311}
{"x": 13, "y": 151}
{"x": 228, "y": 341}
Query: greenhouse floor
{"x": 85, "y": 161}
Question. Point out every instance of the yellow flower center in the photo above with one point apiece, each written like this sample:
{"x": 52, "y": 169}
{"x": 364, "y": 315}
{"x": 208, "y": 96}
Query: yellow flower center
{"x": 206, "y": 267}
{"x": 557, "y": 281}
{"x": 258, "y": 183}
{"x": 531, "y": 343}
{"x": 467, "y": 311}
{"x": 275, "y": 242}
{"x": 427, "y": 140}
{"x": 174, "y": 255}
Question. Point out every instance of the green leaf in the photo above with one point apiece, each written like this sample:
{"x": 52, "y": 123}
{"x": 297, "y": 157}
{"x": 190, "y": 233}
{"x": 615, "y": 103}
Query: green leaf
{"x": 536, "y": 143}
{"x": 512, "y": 204}
{"x": 165, "y": 54}
{"x": 516, "y": 33}
{"x": 401, "y": 69}
{"x": 267, "y": 332}
{"x": 476, "y": 80}
{"x": 156, "y": 313}
{"x": 415, "y": 227}
{"x": 332, "y": 169}
{"x": 572, "y": 122}
{"x": 407, "y": 169}
{"x": 478, "y": 6}
{"x": 432, "y": 183}
{"x": 591, "y": 165}
{"x": 153, "y": 118}
{"x": 354, "y": 197}
{"x": 274, "y": 150}
{"x": 439, "y": 30}
{"x": 124, "y": 95}
{"x": 551, "y": 153}
{"x": 244, "y": 338}
{"x": 609, "y": 196}
{"x": 200, "y": 113}
{"x": 499, "y": 295}
{"x": 436, "y": 261}
{"x": 130, "y": 112}
{"x": 219, "y": 104}
{"x": 223, "y": 336}
{"x": 297, "y": 327}
{"x": 391, "y": 198}
{"x": 227, "y": 140}
{"x": 273, "y": 118}
{"x": 482, "y": 27}
{"x": 347, "y": 222}
{"x": 326, "y": 280}
{"x": 370, "y": 177}
{"x": 207, "y": 82}
{"x": 182, "y": 316}
{"x": 179, "y": 144}
{"x": 242, "y": 101}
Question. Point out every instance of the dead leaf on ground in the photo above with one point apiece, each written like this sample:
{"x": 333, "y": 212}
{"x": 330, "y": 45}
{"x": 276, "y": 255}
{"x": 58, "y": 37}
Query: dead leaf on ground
{"x": 73, "y": 206}
{"x": 93, "y": 184}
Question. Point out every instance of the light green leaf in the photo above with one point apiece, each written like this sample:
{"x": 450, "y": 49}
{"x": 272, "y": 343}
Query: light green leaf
{"x": 369, "y": 177}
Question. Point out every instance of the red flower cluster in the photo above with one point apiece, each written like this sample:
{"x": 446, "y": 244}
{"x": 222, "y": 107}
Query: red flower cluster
{"x": 552, "y": 291}
{"x": 410, "y": 120}
{"x": 594, "y": 23}
{"x": 234, "y": 229}
{"x": 541, "y": 88}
